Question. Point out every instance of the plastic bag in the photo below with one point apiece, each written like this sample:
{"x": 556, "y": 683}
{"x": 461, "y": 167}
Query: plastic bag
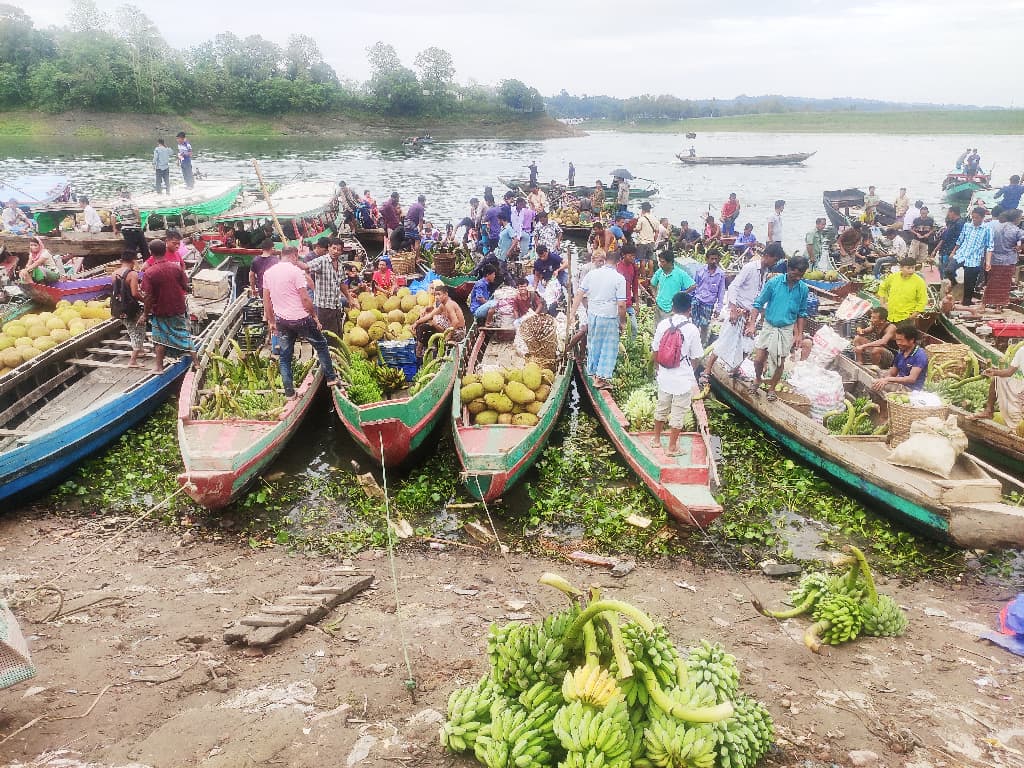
{"x": 827, "y": 344}
{"x": 822, "y": 387}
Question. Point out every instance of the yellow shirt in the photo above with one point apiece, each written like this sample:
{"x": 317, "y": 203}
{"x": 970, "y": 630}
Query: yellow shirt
{"x": 905, "y": 296}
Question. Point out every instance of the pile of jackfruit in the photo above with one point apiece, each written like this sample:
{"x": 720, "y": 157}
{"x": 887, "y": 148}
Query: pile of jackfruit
{"x": 31, "y": 334}
{"x": 383, "y": 318}
{"x": 507, "y": 396}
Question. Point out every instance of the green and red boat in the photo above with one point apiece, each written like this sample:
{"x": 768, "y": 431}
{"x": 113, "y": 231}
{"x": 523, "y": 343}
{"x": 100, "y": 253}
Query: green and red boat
{"x": 392, "y": 429}
{"x": 682, "y": 483}
{"x": 495, "y": 456}
{"x": 222, "y": 456}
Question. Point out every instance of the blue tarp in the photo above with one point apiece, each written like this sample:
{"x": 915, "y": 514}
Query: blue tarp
{"x": 34, "y": 190}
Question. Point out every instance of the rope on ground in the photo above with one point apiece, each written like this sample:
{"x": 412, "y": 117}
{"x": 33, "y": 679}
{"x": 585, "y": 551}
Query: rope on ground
{"x": 46, "y": 585}
{"x": 410, "y": 681}
{"x": 503, "y": 549}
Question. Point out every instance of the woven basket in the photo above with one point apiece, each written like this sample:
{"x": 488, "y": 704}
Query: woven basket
{"x": 902, "y": 416}
{"x": 538, "y": 332}
{"x": 444, "y": 264}
{"x": 953, "y": 359}
{"x": 795, "y": 400}
{"x": 403, "y": 263}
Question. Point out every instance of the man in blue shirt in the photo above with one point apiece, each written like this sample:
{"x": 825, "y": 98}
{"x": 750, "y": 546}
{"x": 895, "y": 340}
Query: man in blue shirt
{"x": 185, "y": 159}
{"x": 783, "y": 303}
{"x": 480, "y": 302}
{"x": 670, "y": 279}
{"x": 910, "y": 368}
{"x": 505, "y": 238}
{"x": 972, "y": 247}
{"x": 1010, "y": 195}
{"x": 162, "y": 166}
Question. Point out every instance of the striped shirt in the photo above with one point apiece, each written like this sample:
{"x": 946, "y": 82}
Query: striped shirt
{"x": 972, "y": 245}
{"x": 327, "y": 279}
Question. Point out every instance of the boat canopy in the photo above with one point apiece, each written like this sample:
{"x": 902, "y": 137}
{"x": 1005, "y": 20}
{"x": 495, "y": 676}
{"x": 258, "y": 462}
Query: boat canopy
{"x": 291, "y": 201}
{"x": 34, "y": 190}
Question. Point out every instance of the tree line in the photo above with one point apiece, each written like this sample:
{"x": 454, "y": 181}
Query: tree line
{"x": 120, "y": 62}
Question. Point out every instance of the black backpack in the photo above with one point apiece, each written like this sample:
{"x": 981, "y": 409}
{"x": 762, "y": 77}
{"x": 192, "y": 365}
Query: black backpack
{"x": 122, "y": 302}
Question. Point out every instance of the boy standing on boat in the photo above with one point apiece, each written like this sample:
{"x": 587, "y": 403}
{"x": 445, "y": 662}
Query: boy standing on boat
{"x": 675, "y": 382}
{"x": 185, "y": 160}
{"x": 783, "y": 303}
{"x": 290, "y": 315}
{"x": 165, "y": 287}
{"x": 775, "y": 223}
{"x": 162, "y": 166}
{"x": 730, "y": 212}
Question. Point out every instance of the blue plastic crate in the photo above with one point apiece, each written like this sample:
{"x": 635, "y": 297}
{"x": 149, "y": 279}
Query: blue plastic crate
{"x": 400, "y": 354}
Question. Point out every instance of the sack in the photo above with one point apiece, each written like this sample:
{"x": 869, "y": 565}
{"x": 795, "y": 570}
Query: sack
{"x": 933, "y": 445}
{"x": 670, "y": 349}
{"x": 122, "y": 302}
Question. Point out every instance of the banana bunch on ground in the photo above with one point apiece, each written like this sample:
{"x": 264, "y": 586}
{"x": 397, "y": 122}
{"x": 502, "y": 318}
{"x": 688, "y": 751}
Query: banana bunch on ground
{"x": 581, "y": 690}
{"x": 843, "y": 605}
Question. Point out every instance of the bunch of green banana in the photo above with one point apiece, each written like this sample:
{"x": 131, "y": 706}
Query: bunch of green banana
{"x": 882, "y": 616}
{"x": 390, "y": 379}
{"x": 523, "y": 654}
{"x": 837, "y": 619}
{"x": 469, "y": 709}
{"x": 673, "y": 743}
{"x": 655, "y": 648}
{"x": 855, "y": 418}
{"x": 744, "y": 738}
{"x": 433, "y": 359}
{"x": 517, "y": 736}
{"x": 709, "y": 663}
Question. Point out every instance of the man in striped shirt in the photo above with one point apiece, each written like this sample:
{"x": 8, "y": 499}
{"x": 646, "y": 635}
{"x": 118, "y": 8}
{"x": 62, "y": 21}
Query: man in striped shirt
{"x": 972, "y": 247}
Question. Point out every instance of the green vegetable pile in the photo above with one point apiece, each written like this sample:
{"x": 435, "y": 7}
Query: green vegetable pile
{"x": 844, "y": 606}
{"x": 361, "y": 385}
{"x": 969, "y": 393}
{"x": 855, "y": 418}
{"x": 246, "y": 386}
{"x": 633, "y": 367}
{"x": 581, "y": 690}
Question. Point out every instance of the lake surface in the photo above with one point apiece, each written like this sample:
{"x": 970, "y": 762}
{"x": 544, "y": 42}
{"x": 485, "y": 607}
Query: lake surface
{"x": 450, "y": 172}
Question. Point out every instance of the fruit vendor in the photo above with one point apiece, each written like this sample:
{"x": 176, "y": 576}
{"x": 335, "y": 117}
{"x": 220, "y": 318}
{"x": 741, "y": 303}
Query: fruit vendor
{"x": 904, "y": 293}
{"x": 14, "y": 219}
{"x": 1006, "y": 387}
{"x": 290, "y": 315}
{"x": 604, "y": 295}
{"x": 42, "y": 266}
{"x": 481, "y": 301}
{"x": 876, "y": 342}
{"x": 444, "y": 315}
{"x": 548, "y": 266}
{"x": 910, "y": 368}
{"x": 783, "y": 303}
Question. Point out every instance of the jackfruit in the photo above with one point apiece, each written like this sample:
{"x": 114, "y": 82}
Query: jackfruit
{"x": 5, "y": 341}
{"x": 525, "y": 420}
{"x": 511, "y": 374}
{"x": 493, "y": 381}
{"x": 407, "y": 303}
{"x": 472, "y": 391}
{"x": 358, "y": 337}
{"x": 367, "y": 300}
{"x": 423, "y": 299}
{"x": 377, "y": 330}
{"x": 519, "y": 393}
{"x": 496, "y": 401}
{"x": 486, "y": 417}
{"x": 534, "y": 407}
{"x": 471, "y": 378}
{"x": 542, "y": 392}
{"x": 533, "y": 376}
{"x": 403, "y": 292}
{"x": 548, "y": 375}
{"x": 396, "y": 316}
{"x": 504, "y": 418}
{"x": 365, "y": 319}
{"x": 476, "y": 406}
{"x": 11, "y": 358}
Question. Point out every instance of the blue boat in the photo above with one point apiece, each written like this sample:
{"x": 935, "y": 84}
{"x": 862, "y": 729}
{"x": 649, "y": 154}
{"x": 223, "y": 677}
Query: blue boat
{"x": 70, "y": 402}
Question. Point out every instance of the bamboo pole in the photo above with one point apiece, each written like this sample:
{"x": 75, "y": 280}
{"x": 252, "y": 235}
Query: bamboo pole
{"x": 270, "y": 203}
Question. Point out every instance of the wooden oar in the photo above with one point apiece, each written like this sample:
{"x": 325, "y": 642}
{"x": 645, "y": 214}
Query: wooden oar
{"x": 993, "y": 470}
{"x": 270, "y": 204}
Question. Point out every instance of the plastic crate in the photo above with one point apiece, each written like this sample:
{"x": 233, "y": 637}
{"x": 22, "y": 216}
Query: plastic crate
{"x": 251, "y": 336}
{"x": 252, "y": 313}
{"x": 400, "y": 354}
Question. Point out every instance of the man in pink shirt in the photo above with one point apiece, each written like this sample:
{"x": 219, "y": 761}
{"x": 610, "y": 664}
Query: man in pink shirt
{"x": 290, "y": 314}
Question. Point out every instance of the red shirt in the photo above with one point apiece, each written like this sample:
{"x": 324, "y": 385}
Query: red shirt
{"x": 629, "y": 272}
{"x": 384, "y": 280}
{"x": 165, "y": 286}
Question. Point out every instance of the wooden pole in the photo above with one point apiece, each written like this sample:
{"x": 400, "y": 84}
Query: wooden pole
{"x": 270, "y": 203}
{"x": 994, "y": 471}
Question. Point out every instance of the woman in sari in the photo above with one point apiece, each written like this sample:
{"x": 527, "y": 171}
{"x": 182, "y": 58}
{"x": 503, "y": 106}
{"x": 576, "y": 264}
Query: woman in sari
{"x": 42, "y": 266}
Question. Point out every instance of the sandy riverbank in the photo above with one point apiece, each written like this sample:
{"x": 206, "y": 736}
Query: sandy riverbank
{"x": 171, "y": 595}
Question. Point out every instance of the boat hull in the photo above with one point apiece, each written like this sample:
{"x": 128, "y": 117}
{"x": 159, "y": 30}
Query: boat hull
{"x": 42, "y": 462}
{"x": 684, "y": 491}
{"x": 401, "y": 426}
{"x": 792, "y": 159}
{"x": 68, "y": 290}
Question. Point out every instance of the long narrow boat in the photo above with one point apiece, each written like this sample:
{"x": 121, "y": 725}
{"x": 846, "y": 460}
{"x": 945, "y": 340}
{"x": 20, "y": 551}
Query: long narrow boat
{"x": 400, "y": 425}
{"x": 70, "y": 402}
{"x": 791, "y": 159}
{"x": 636, "y": 191}
{"x": 494, "y": 457}
{"x": 1007, "y": 324}
{"x": 79, "y": 289}
{"x": 222, "y": 456}
{"x": 839, "y": 202}
{"x": 682, "y": 483}
{"x": 961, "y": 187}
{"x": 967, "y": 509}
{"x": 187, "y": 210}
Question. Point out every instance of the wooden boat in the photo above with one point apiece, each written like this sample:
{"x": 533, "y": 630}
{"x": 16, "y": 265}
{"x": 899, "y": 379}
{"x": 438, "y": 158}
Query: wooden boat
{"x": 960, "y": 187}
{"x": 186, "y": 210}
{"x": 70, "y": 402}
{"x": 839, "y": 202}
{"x": 792, "y": 159}
{"x": 966, "y": 509}
{"x": 401, "y": 424}
{"x": 79, "y": 289}
{"x": 371, "y": 239}
{"x": 461, "y": 285}
{"x": 494, "y": 457}
{"x": 223, "y": 456}
{"x": 636, "y": 191}
{"x": 682, "y": 483}
{"x": 1007, "y": 326}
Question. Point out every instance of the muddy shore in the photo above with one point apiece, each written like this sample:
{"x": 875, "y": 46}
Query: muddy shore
{"x": 161, "y": 688}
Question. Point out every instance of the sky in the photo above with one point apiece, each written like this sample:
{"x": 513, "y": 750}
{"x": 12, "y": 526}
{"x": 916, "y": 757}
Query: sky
{"x": 941, "y": 51}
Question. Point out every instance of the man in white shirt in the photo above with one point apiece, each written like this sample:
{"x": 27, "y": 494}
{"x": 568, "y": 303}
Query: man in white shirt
{"x": 733, "y": 344}
{"x": 93, "y": 223}
{"x": 775, "y": 223}
{"x": 675, "y": 384}
{"x": 604, "y": 294}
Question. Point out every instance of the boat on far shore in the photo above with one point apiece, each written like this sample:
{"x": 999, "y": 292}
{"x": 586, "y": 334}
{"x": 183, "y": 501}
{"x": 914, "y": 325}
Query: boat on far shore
{"x": 792, "y": 159}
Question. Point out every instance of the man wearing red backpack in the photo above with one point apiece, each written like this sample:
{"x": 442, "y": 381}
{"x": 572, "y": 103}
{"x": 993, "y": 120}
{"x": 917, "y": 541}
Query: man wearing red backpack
{"x": 676, "y": 349}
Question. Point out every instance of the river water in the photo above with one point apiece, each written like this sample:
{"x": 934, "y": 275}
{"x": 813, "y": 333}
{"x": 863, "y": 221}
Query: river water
{"x": 450, "y": 172}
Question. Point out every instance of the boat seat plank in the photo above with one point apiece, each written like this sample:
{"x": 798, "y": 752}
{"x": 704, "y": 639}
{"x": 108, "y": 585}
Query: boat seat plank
{"x": 14, "y": 432}
{"x": 81, "y": 395}
{"x": 100, "y": 363}
{"x": 37, "y": 394}
{"x": 118, "y": 352}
